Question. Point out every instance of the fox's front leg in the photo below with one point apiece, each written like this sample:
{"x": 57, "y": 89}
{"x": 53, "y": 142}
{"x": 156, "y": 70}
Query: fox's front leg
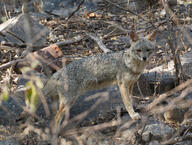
{"x": 126, "y": 88}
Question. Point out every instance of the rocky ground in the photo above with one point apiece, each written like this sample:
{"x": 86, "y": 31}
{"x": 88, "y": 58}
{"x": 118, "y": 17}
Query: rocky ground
{"x": 98, "y": 117}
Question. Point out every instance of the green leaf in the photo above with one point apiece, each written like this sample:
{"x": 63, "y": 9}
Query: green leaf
{"x": 25, "y": 69}
{"x": 3, "y": 19}
{"x": 31, "y": 96}
{"x": 35, "y": 63}
{"x": 5, "y": 94}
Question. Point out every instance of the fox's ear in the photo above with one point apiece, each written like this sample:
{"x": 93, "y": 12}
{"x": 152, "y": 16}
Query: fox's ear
{"x": 152, "y": 36}
{"x": 134, "y": 37}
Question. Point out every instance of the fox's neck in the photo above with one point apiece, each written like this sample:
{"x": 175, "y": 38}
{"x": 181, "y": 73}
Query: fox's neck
{"x": 135, "y": 65}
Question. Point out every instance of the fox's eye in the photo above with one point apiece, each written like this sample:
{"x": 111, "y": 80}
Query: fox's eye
{"x": 138, "y": 50}
{"x": 148, "y": 50}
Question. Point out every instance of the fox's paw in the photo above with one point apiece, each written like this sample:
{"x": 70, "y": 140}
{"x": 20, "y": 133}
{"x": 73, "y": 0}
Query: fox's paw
{"x": 136, "y": 116}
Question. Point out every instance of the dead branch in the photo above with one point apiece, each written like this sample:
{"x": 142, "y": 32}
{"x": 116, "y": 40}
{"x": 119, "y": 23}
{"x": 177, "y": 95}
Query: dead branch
{"x": 169, "y": 93}
{"x": 5, "y": 10}
{"x": 44, "y": 102}
{"x": 4, "y": 36}
{"x": 35, "y": 47}
{"x": 99, "y": 42}
{"x": 94, "y": 128}
{"x": 28, "y": 28}
{"x": 177, "y": 139}
{"x": 40, "y": 132}
{"x": 77, "y": 9}
{"x": 70, "y": 41}
{"x": 173, "y": 41}
{"x": 8, "y": 64}
{"x": 177, "y": 102}
{"x": 85, "y": 113}
{"x": 13, "y": 45}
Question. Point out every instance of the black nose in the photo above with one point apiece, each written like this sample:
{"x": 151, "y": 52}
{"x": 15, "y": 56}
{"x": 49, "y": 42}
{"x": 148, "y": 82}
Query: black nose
{"x": 144, "y": 58}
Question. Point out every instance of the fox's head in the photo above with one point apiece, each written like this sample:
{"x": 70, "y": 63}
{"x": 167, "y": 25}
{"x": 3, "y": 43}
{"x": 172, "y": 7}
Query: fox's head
{"x": 142, "y": 48}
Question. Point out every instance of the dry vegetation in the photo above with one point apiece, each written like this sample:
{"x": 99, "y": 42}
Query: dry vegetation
{"x": 86, "y": 33}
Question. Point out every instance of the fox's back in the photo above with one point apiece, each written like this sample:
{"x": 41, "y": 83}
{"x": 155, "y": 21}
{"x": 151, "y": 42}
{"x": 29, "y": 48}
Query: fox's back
{"x": 92, "y": 72}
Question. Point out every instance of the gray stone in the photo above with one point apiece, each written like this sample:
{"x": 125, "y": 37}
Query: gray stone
{"x": 65, "y": 8}
{"x": 16, "y": 26}
{"x": 154, "y": 142}
{"x": 184, "y": 143}
{"x": 11, "y": 141}
{"x": 153, "y": 133}
{"x": 157, "y": 131}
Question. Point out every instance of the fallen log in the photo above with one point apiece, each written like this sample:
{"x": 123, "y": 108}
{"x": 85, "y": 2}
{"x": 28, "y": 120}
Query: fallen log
{"x": 161, "y": 79}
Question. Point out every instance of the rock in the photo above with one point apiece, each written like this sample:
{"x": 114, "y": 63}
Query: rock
{"x": 184, "y": 143}
{"x": 11, "y": 141}
{"x": 153, "y": 131}
{"x": 46, "y": 59}
{"x": 158, "y": 131}
{"x": 68, "y": 6}
{"x": 110, "y": 96}
{"x": 65, "y": 8}
{"x": 15, "y": 25}
{"x": 164, "y": 76}
{"x": 43, "y": 143}
{"x": 154, "y": 142}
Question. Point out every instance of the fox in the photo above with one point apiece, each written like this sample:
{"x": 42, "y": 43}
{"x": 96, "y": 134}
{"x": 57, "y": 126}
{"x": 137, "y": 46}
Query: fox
{"x": 122, "y": 68}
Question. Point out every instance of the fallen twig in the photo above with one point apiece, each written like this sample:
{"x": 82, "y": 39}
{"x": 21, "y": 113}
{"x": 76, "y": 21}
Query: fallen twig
{"x": 4, "y": 36}
{"x": 12, "y": 44}
{"x": 35, "y": 47}
{"x": 14, "y": 35}
{"x": 70, "y": 41}
{"x": 94, "y": 128}
{"x": 99, "y": 42}
{"x": 8, "y": 64}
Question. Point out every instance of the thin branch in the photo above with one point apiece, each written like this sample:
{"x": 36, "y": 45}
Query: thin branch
{"x": 5, "y": 10}
{"x": 4, "y": 36}
{"x": 11, "y": 44}
{"x": 77, "y": 9}
{"x": 8, "y": 64}
{"x": 70, "y": 41}
{"x": 171, "y": 92}
{"x": 35, "y": 47}
{"x": 14, "y": 35}
{"x": 99, "y": 42}
{"x": 94, "y": 128}
{"x": 172, "y": 40}
{"x": 139, "y": 89}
